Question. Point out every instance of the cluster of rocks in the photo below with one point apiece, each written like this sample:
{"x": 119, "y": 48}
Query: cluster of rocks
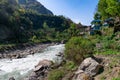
{"x": 40, "y": 71}
{"x": 21, "y": 52}
{"x": 88, "y": 69}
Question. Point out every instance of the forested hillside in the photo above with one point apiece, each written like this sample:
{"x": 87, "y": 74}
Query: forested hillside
{"x": 34, "y": 5}
{"x": 24, "y": 21}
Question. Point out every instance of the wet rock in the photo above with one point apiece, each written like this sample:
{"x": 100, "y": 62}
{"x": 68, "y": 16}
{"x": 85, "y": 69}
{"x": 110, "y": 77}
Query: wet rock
{"x": 42, "y": 68}
{"x": 44, "y": 62}
{"x": 18, "y": 56}
{"x": 32, "y": 76}
{"x": 40, "y": 71}
{"x": 60, "y": 54}
{"x": 90, "y": 66}
{"x": 1, "y": 56}
{"x": 11, "y": 78}
{"x": 63, "y": 41}
{"x": 81, "y": 75}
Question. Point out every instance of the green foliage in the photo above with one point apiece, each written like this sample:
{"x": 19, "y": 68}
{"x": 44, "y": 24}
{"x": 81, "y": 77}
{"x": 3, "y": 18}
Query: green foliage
{"x": 97, "y": 16}
{"x": 59, "y": 73}
{"x": 19, "y": 25}
{"x": 108, "y": 52}
{"x": 73, "y": 31}
{"x": 70, "y": 65}
{"x": 56, "y": 74}
{"x": 109, "y": 42}
{"x": 109, "y": 8}
{"x": 116, "y": 79}
{"x": 78, "y": 48}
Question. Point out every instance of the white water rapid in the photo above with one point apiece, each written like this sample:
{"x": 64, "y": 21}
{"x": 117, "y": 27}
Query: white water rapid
{"x": 19, "y": 68}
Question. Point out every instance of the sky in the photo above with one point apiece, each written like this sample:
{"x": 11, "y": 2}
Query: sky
{"x": 77, "y": 10}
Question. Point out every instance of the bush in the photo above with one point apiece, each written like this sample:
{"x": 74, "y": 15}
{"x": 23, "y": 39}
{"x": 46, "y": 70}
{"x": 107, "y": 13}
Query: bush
{"x": 56, "y": 74}
{"x": 70, "y": 65}
{"x": 78, "y": 48}
{"x": 116, "y": 79}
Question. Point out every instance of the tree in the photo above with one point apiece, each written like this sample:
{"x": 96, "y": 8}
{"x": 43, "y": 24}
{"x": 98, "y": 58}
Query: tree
{"x": 97, "y": 16}
{"x": 73, "y": 31}
{"x": 109, "y": 8}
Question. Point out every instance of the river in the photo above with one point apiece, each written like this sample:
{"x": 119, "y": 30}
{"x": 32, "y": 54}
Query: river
{"x": 20, "y": 68}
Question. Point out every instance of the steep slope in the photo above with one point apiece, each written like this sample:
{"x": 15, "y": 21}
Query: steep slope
{"x": 19, "y": 25}
{"x": 35, "y": 6}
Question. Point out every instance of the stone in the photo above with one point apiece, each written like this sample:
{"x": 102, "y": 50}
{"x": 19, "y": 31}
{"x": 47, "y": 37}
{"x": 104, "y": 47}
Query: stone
{"x": 32, "y": 76}
{"x": 63, "y": 42}
{"x": 11, "y": 78}
{"x": 81, "y": 75}
{"x": 60, "y": 54}
{"x": 44, "y": 63}
{"x": 1, "y": 56}
{"x": 90, "y": 66}
{"x": 42, "y": 68}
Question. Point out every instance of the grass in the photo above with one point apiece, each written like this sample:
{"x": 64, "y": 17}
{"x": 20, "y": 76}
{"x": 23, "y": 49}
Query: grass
{"x": 60, "y": 72}
{"x": 116, "y": 79}
{"x": 56, "y": 74}
{"x": 108, "y": 52}
{"x": 6, "y": 45}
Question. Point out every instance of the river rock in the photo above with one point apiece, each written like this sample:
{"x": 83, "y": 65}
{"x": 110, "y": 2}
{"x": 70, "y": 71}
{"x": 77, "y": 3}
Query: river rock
{"x": 60, "y": 54}
{"x": 90, "y": 66}
{"x": 42, "y": 68}
{"x": 43, "y": 63}
{"x": 40, "y": 71}
{"x": 81, "y": 75}
{"x": 63, "y": 42}
{"x": 1, "y": 55}
{"x": 11, "y": 78}
{"x": 33, "y": 76}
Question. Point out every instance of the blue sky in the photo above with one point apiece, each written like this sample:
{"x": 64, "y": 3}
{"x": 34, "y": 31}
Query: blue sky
{"x": 77, "y": 10}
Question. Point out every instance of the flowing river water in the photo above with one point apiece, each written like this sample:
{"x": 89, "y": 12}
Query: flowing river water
{"x": 20, "y": 68}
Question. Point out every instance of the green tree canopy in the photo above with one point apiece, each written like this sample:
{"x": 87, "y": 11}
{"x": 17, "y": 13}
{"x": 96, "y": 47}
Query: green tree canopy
{"x": 109, "y": 8}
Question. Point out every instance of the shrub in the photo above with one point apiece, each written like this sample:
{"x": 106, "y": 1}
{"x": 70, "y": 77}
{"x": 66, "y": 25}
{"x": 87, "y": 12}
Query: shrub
{"x": 78, "y": 48}
{"x": 70, "y": 65}
{"x": 56, "y": 74}
{"x": 116, "y": 79}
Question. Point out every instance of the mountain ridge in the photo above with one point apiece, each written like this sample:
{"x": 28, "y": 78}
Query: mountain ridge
{"x": 35, "y": 6}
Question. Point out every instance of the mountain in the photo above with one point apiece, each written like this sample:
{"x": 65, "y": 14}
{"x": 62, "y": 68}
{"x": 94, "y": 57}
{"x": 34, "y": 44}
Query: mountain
{"x": 20, "y": 23}
{"x": 35, "y": 6}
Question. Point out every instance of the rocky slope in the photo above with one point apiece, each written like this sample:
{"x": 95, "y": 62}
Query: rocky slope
{"x": 35, "y": 6}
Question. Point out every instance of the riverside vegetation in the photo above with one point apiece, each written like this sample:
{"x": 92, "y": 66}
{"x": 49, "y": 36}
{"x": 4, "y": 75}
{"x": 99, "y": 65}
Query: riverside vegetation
{"x": 30, "y": 26}
{"x": 105, "y": 45}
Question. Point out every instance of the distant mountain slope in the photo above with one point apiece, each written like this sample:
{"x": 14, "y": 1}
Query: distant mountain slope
{"x": 35, "y": 6}
{"x": 19, "y": 25}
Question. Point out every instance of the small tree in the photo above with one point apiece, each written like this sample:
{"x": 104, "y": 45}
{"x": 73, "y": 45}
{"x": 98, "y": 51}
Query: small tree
{"x": 78, "y": 48}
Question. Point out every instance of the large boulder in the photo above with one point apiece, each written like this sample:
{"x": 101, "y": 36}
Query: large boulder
{"x": 44, "y": 64}
{"x": 40, "y": 71}
{"x": 81, "y": 75}
{"x": 87, "y": 69}
{"x": 90, "y": 66}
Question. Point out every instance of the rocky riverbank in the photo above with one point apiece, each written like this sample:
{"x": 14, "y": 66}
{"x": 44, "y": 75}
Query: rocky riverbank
{"x": 22, "y": 51}
{"x": 87, "y": 70}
